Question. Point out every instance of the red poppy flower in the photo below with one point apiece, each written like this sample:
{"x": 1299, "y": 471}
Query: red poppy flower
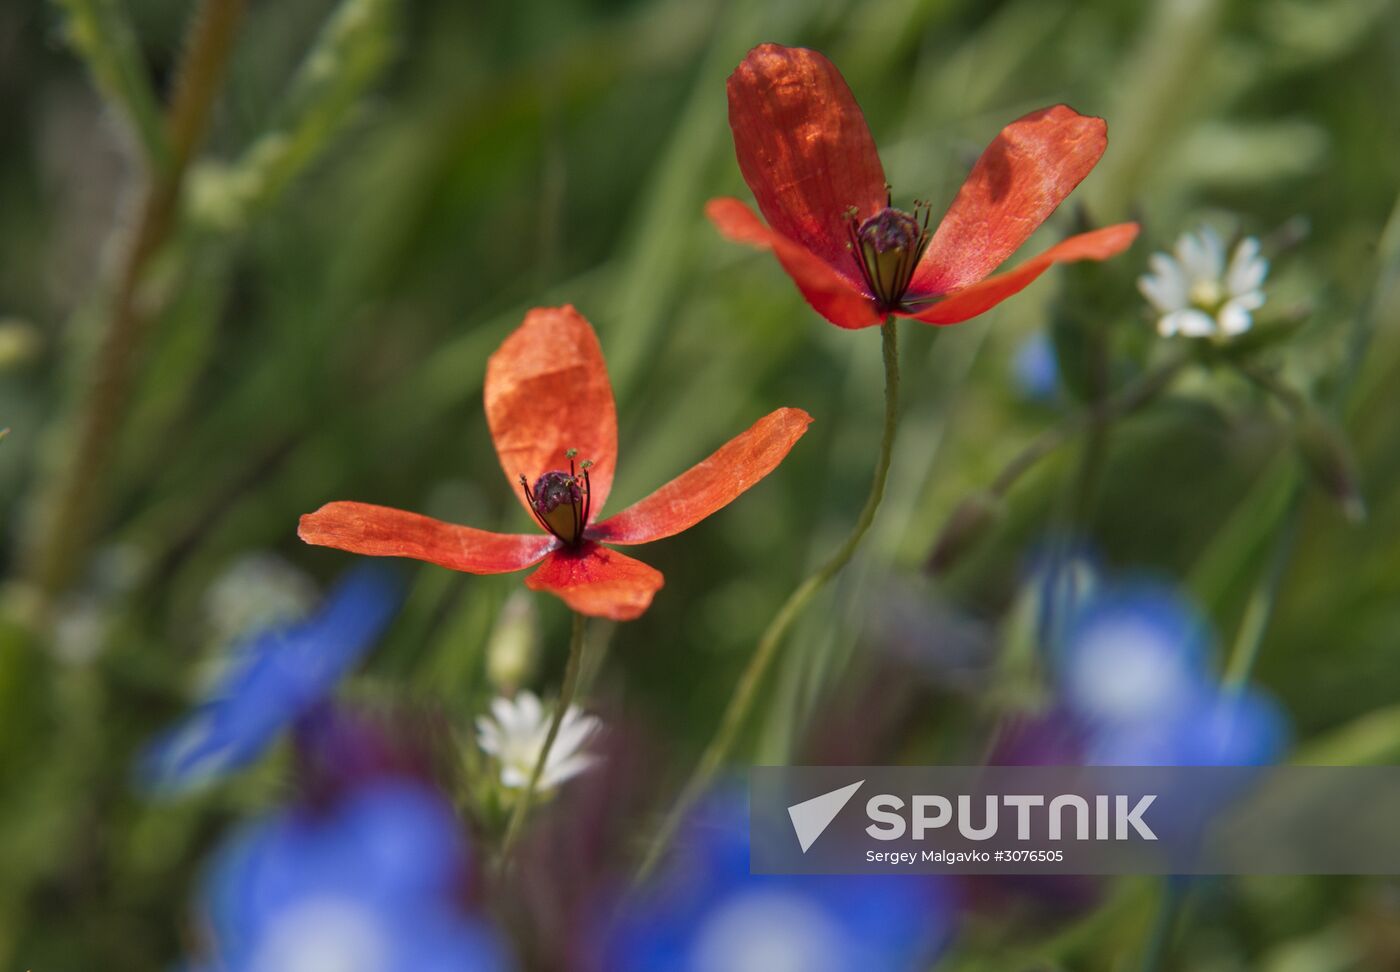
{"x": 549, "y": 405}
{"x": 805, "y": 151}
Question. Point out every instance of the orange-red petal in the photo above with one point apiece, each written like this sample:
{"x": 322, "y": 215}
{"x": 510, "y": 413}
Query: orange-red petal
{"x": 599, "y": 582}
{"x": 804, "y": 148}
{"x": 981, "y": 297}
{"x": 381, "y": 531}
{"x": 1022, "y": 176}
{"x": 547, "y": 391}
{"x": 830, "y": 294}
{"x": 711, "y": 485}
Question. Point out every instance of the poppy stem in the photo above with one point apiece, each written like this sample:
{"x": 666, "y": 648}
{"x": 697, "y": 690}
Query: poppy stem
{"x": 566, "y": 698}
{"x": 745, "y": 693}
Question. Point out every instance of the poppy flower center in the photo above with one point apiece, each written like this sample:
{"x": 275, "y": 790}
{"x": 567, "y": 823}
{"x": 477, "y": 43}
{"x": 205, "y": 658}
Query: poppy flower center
{"x": 887, "y": 248}
{"x": 562, "y": 501}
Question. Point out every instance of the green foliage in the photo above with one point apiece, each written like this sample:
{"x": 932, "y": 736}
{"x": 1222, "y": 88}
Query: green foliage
{"x": 346, "y": 259}
{"x": 100, "y": 33}
{"x": 344, "y": 62}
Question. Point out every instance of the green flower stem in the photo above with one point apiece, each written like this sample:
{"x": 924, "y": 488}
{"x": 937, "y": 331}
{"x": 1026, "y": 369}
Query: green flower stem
{"x": 566, "y": 698}
{"x": 1284, "y": 517}
{"x": 1097, "y": 433}
{"x": 1262, "y": 600}
{"x": 1264, "y": 597}
{"x": 1274, "y": 386}
{"x": 1164, "y": 926}
{"x": 745, "y": 693}
{"x": 71, "y": 518}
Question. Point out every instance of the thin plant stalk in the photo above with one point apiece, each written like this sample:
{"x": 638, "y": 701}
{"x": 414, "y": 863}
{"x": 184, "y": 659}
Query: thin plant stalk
{"x": 566, "y": 698}
{"x": 1164, "y": 924}
{"x": 1262, "y": 600}
{"x": 746, "y": 692}
{"x": 71, "y": 518}
{"x": 100, "y": 31}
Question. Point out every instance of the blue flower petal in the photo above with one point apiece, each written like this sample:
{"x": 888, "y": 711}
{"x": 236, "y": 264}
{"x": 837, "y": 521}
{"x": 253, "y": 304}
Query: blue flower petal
{"x": 272, "y": 678}
{"x": 388, "y": 860}
{"x": 1133, "y": 652}
{"x": 1219, "y": 728}
{"x": 707, "y": 913}
{"x": 1035, "y": 368}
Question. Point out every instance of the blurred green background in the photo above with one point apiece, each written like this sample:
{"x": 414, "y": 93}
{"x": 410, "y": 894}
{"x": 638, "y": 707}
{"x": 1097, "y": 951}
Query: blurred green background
{"x": 386, "y": 187}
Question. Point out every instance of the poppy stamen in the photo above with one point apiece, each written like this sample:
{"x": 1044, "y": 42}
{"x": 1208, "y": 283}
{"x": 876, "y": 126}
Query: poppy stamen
{"x": 887, "y": 248}
{"x": 530, "y": 502}
{"x": 562, "y": 501}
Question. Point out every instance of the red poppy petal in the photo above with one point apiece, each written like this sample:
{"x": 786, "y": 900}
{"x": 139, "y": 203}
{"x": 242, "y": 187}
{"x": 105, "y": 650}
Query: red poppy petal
{"x": 710, "y": 486}
{"x": 599, "y": 582}
{"x": 1022, "y": 176}
{"x": 830, "y": 294}
{"x": 804, "y": 148}
{"x": 980, "y": 297}
{"x": 381, "y": 531}
{"x": 547, "y": 391}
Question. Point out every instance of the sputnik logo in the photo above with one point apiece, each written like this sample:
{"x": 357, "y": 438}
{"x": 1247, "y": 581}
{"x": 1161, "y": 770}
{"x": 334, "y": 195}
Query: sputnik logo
{"x": 810, "y": 818}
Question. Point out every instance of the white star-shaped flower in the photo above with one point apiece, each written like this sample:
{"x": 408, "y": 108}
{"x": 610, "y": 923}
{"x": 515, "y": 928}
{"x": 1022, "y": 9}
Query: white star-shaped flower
{"x": 515, "y": 732}
{"x": 1197, "y": 295}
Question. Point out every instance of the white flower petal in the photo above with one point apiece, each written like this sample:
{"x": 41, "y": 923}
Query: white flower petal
{"x": 1215, "y": 250}
{"x": 1168, "y": 283}
{"x": 1188, "y": 253}
{"x": 575, "y": 730}
{"x": 1167, "y": 266}
{"x": 517, "y": 736}
{"x": 1251, "y": 301}
{"x": 488, "y": 736}
{"x": 1188, "y": 323}
{"x": 1247, "y": 268}
{"x": 1212, "y": 254}
{"x": 1202, "y": 256}
{"x": 1234, "y": 319}
{"x": 531, "y": 712}
{"x": 561, "y": 771}
{"x": 504, "y": 711}
{"x": 1158, "y": 293}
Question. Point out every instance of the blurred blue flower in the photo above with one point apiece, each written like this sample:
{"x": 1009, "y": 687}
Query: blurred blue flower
{"x": 1035, "y": 370}
{"x": 1132, "y": 653}
{"x": 372, "y": 884}
{"x": 707, "y": 913}
{"x": 1217, "y": 728}
{"x": 1133, "y": 669}
{"x": 273, "y": 678}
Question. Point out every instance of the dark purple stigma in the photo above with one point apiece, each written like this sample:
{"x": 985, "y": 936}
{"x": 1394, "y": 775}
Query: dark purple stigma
{"x": 890, "y": 229}
{"x": 554, "y": 489}
{"x": 887, "y": 248}
{"x": 562, "y": 501}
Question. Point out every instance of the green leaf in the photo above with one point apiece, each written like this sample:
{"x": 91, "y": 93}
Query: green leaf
{"x": 101, "y": 35}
